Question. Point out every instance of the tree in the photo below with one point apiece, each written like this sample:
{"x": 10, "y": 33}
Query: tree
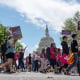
{"x": 18, "y": 46}
{"x": 3, "y": 33}
{"x": 72, "y": 24}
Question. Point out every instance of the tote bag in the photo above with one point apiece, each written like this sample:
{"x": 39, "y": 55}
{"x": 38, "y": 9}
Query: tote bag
{"x": 71, "y": 59}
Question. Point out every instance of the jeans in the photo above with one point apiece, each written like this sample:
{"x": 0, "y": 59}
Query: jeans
{"x": 75, "y": 62}
{"x": 78, "y": 66}
{"x": 33, "y": 65}
{"x": 21, "y": 64}
{"x": 36, "y": 65}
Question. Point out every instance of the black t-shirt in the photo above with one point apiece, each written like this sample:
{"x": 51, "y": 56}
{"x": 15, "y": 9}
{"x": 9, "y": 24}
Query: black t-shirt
{"x": 73, "y": 45}
{"x": 30, "y": 59}
{"x": 65, "y": 48}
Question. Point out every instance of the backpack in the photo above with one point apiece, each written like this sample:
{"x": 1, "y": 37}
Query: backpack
{"x": 48, "y": 52}
{"x": 3, "y": 48}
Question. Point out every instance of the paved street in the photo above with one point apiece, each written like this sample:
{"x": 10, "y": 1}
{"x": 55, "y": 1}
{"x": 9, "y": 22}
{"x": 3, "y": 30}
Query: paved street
{"x": 36, "y": 76}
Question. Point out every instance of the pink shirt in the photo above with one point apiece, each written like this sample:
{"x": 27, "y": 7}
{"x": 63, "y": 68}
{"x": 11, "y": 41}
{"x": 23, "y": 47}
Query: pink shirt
{"x": 64, "y": 58}
{"x": 15, "y": 57}
{"x": 52, "y": 56}
{"x": 18, "y": 55}
{"x": 27, "y": 60}
{"x": 59, "y": 57}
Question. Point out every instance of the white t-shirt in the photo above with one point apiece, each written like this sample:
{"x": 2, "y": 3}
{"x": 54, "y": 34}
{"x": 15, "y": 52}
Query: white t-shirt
{"x": 36, "y": 56}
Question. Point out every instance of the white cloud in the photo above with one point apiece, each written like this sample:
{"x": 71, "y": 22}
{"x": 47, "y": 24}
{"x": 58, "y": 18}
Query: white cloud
{"x": 34, "y": 48}
{"x": 38, "y": 12}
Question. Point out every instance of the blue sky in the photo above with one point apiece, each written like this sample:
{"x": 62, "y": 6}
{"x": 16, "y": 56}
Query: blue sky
{"x": 33, "y": 17}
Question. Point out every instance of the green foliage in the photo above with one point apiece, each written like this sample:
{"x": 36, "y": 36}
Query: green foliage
{"x": 18, "y": 46}
{"x": 3, "y": 33}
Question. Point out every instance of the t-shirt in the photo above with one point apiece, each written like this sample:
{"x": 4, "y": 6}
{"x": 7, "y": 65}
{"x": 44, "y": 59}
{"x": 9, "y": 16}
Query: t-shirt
{"x": 65, "y": 48}
{"x": 52, "y": 56}
{"x": 22, "y": 55}
{"x": 15, "y": 57}
{"x": 10, "y": 49}
{"x": 36, "y": 57}
{"x": 73, "y": 45}
{"x": 29, "y": 59}
{"x": 59, "y": 57}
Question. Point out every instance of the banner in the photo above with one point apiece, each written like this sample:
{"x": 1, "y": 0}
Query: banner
{"x": 16, "y": 32}
{"x": 66, "y": 32}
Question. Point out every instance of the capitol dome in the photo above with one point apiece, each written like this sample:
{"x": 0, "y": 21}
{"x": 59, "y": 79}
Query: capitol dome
{"x": 45, "y": 41}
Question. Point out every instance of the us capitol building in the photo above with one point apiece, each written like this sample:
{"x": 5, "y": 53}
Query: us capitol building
{"x": 45, "y": 41}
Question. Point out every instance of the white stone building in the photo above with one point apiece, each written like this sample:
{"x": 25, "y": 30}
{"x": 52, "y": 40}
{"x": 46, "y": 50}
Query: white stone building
{"x": 45, "y": 41}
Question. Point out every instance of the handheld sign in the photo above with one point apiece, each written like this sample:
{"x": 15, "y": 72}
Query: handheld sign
{"x": 66, "y": 32}
{"x": 16, "y": 32}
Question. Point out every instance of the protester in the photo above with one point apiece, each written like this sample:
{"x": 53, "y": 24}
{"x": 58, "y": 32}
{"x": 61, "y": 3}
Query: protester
{"x": 65, "y": 54}
{"x": 42, "y": 57}
{"x": 33, "y": 62}
{"x": 30, "y": 63}
{"x": 3, "y": 51}
{"x": 48, "y": 53}
{"x": 9, "y": 54}
{"x": 15, "y": 61}
{"x": 27, "y": 61}
{"x": 21, "y": 60}
{"x": 74, "y": 48}
{"x": 59, "y": 58}
{"x": 73, "y": 70}
{"x": 36, "y": 62}
{"x": 53, "y": 53}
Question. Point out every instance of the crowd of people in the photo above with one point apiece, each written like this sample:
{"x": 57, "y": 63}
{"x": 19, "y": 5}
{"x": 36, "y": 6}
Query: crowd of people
{"x": 51, "y": 59}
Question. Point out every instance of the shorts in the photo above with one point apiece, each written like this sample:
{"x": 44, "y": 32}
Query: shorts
{"x": 53, "y": 62}
{"x": 10, "y": 55}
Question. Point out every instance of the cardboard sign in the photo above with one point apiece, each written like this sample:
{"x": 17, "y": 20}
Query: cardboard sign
{"x": 16, "y": 32}
{"x": 66, "y": 32}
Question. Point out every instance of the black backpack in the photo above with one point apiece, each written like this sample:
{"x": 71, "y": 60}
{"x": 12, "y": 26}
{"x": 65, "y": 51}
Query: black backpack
{"x": 3, "y": 48}
{"x": 48, "y": 52}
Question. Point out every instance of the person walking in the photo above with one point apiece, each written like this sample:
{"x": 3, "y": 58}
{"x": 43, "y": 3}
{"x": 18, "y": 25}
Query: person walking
{"x": 59, "y": 58}
{"x": 33, "y": 62}
{"x": 42, "y": 58}
{"x": 30, "y": 62}
{"x": 74, "y": 48}
{"x": 21, "y": 59}
{"x": 36, "y": 62}
{"x": 65, "y": 54}
{"x": 9, "y": 54}
{"x": 53, "y": 53}
{"x": 3, "y": 51}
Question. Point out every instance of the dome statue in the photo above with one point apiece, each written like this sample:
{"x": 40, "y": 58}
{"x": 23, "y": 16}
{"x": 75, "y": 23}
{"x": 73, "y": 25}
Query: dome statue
{"x": 45, "y": 41}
